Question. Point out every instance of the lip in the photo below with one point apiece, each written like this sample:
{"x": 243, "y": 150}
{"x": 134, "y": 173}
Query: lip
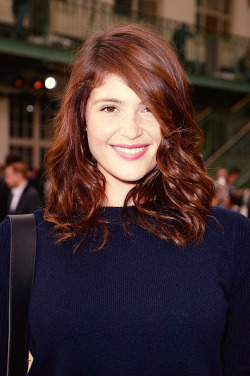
{"x": 131, "y": 156}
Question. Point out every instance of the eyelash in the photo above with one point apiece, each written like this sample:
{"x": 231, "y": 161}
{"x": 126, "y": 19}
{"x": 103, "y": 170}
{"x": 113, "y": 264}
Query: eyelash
{"x": 105, "y": 109}
{"x": 113, "y": 108}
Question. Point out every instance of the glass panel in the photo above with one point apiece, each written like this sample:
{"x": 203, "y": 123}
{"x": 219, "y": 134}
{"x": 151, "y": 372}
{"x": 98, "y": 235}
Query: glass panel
{"x": 226, "y": 28}
{"x": 227, "y": 6}
{"x": 48, "y": 110}
{"x": 43, "y": 152}
{"x": 26, "y": 153}
{"x": 11, "y": 118}
{"x": 147, "y": 7}
{"x": 198, "y": 21}
{"x": 21, "y": 116}
{"x": 211, "y": 24}
{"x": 212, "y": 4}
{"x": 123, "y": 6}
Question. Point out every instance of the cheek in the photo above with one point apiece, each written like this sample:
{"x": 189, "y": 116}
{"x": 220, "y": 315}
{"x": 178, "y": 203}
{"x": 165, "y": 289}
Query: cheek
{"x": 91, "y": 143}
{"x": 98, "y": 132}
{"x": 157, "y": 136}
{"x": 95, "y": 141}
{"x": 155, "y": 131}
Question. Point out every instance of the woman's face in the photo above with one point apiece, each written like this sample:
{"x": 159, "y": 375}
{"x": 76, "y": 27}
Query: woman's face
{"x": 123, "y": 135}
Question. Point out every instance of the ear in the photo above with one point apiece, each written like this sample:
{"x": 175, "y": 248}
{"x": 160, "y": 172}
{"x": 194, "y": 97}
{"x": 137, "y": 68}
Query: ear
{"x": 84, "y": 124}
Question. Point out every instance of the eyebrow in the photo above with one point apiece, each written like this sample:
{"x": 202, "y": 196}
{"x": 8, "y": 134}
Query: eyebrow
{"x": 109, "y": 100}
{"x": 112, "y": 100}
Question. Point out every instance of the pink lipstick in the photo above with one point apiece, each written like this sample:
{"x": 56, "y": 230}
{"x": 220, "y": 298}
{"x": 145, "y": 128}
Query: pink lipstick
{"x": 130, "y": 152}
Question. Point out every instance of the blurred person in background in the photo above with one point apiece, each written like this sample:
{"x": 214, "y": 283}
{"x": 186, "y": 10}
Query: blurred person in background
{"x": 227, "y": 195}
{"x": 22, "y": 198}
{"x": 4, "y": 190}
{"x": 239, "y": 198}
{"x": 221, "y": 197}
{"x": 244, "y": 67}
{"x": 234, "y": 193}
{"x": 20, "y": 10}
{"x": 179, "y": 41}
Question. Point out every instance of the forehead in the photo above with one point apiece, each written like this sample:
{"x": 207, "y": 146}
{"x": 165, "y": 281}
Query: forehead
{"x": 108, "y": 80}
{"x": 9, "y": 171}
{"x": 112, "y": 86}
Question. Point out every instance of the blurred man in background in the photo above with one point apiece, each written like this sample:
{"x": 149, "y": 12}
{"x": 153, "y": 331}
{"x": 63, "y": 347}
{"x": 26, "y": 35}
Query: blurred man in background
{"x": 221, "y": 198}
{"x": 20, "y": 10}
{"x": 23, "y": 198}
{"x": 4, "y": 190}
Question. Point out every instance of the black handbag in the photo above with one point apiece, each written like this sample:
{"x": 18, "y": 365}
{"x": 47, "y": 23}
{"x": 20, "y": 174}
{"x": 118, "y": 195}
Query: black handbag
{"x": 22, "y": 265}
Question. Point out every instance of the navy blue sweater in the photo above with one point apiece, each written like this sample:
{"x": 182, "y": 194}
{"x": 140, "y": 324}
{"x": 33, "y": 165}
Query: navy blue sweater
{"x": 141, "y": 306}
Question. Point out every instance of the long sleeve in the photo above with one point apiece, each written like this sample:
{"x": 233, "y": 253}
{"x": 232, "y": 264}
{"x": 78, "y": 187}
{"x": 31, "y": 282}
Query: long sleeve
{"x": 236, "y": 354}
{"x": 4, "y": 293}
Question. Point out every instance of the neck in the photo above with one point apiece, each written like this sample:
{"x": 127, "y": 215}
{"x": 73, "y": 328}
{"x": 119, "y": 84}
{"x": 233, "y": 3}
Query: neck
{"x": 21, "y": 183}
{"x": 116, "y": 193}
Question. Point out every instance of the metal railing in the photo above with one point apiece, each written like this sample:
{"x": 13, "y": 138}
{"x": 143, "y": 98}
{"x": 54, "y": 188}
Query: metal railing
{"x": 227, "y": 138}
{"x": 66, "y": 23}
{"x": 219, "y": 127}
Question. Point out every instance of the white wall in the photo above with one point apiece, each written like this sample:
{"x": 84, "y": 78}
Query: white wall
{"x": 241, "y": 18}
{"x": 6, "y": 14}
{"x": 178, "y": 10}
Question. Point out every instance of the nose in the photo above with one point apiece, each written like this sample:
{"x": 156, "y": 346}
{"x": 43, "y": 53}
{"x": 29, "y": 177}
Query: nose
{"x": 131, "y": 127}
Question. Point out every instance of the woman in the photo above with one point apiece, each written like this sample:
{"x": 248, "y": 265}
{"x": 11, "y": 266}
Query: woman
{"x": 135, "y": 273}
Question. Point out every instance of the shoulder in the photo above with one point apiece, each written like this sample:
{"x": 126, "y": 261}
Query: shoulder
{"x": 229, "y": 220}
{"x": 30, "y": 191}
{"x": 4, "y": 231}
{"x": 5, "y": 234}
{"x": 44, "y": 232}
{"x": 229, "y": 232}
{"x": 45, "y": 229}
{"x": 230, "y": 227}
{"x": 41, "y": 223}
{"x": 5, "y": 227}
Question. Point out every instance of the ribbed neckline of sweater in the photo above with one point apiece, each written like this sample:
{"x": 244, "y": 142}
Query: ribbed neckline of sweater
{"x": 113, "y": 213}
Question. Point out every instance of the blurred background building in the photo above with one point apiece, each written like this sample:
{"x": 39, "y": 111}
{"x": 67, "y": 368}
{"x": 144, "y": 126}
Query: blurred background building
{"x": 38, "y": 40}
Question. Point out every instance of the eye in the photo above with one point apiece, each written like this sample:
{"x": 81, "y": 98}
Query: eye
{"x": 108, "y": 109}
{"x": 146, "y": 109}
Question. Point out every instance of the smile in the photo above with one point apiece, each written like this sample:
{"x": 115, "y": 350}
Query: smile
{"x": 130, "y": 152}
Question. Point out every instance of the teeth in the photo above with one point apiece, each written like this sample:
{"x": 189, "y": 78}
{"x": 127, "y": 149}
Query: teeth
{"x": 129, "y": 151}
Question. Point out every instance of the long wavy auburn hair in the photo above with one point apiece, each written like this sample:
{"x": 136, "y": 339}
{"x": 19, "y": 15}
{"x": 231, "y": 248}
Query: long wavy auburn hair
{"x": 174, "y": 199}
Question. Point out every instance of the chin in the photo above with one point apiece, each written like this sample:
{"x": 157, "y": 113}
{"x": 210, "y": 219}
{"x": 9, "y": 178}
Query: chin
{"x": 132, "y": 176}
{"x": 131, "y": 179}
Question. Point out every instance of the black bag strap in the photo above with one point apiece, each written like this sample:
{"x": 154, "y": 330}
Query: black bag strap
{"x": 22, "y": 264}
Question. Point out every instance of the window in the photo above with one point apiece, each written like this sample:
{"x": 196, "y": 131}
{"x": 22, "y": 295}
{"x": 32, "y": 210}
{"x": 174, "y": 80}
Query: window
{"x": 147, "y": 7}
{"x": 123, "y": 6}
{"x": 30, "y": 135}
{"x": 212, "y": 4}
{"x": 48, "y": 110}
{"x": 214, "y": 16}
{"x": 227, "y": 6}
{"x": 25, "y": 152}
{"x": 43, "y": 152}
{"x": 21, "y": 117}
